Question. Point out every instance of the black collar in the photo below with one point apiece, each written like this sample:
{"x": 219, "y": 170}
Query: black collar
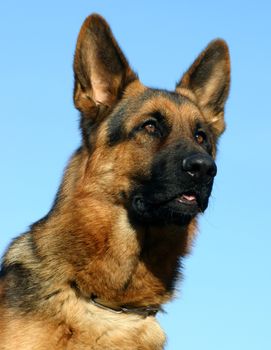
{"x": 144, "y": 311}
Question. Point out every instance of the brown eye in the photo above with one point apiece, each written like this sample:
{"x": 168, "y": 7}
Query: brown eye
{"x": 150, "y": 126}
{"x": 200, "y": 137}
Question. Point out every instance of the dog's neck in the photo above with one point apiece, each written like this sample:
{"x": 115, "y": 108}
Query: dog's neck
{"x": 126, "y": 267}
{"x": 107, "y": 256}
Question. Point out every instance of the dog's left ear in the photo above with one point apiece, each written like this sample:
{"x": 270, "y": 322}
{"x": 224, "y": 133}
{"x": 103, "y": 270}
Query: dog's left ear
{"x": 209, "y": 79}
{"x": 101, "y": 71}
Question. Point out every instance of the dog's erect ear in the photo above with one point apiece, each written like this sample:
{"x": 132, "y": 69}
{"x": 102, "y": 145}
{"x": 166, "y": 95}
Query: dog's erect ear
{"x": 100, "y": 69}
{"x": 209, "y": 79}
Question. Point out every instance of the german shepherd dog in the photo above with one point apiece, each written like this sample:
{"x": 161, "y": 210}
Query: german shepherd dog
{"x": 93, "y": 273}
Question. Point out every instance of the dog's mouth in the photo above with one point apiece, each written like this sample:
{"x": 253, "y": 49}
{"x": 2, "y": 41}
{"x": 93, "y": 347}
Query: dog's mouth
{"x": 188, "y": 203}
{"x": 190, "y": 200}
{"x": 179, "y": 208}
{"x": 187, "y": 199}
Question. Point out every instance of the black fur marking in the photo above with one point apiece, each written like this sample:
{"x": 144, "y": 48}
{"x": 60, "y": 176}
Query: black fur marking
{"x": 148, "y": 246}
{"x": 116, "y": 130}
{"x": 21, "y": 287}
{"x": 154, "y": 200}
{"x": 75, "y": 288}
{"x": 3, "y": 272}
{"x": 88, "y": 127}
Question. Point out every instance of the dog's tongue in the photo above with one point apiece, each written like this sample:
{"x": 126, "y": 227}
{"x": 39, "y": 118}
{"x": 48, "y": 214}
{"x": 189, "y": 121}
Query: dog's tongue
{"x": 189, "y": 197}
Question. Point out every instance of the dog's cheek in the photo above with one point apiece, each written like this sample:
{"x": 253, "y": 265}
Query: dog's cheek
{"x": 132, "y": 171}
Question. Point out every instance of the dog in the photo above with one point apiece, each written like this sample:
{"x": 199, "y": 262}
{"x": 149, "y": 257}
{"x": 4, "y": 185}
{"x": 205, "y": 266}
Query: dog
{"x": 94, "y": 272}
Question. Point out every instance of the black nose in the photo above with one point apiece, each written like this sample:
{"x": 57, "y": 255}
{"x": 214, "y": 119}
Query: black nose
{"x": 200, "y": 166}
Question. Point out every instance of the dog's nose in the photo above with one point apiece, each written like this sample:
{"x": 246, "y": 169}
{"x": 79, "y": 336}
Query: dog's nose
{"x": 200, "y": 166}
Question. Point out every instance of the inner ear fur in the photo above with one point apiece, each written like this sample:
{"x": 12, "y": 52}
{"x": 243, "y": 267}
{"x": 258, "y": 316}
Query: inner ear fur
{"x": 101, "y": 71}
{"x": 209, "y": 79}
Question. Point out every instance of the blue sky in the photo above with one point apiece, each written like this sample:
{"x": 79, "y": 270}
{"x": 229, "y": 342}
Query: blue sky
{"x": 224, "y": 299}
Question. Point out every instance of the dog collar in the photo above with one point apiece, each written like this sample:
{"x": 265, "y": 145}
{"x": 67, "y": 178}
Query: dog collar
{"x": 144, "y": 311}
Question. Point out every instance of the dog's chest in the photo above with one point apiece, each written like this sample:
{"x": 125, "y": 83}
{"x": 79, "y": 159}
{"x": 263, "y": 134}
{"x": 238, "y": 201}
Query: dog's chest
{"x": 85, "y": 326}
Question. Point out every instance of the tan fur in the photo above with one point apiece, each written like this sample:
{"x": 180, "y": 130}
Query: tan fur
{"x": 79, "y": 325}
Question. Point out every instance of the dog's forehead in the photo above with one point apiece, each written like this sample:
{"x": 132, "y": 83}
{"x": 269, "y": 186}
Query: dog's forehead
{"x": 175, "y": 107}
{"x": 157, "y": 99}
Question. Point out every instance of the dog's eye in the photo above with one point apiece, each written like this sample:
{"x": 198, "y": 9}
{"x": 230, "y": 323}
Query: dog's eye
{"x": 150, "y": 126}
{"x": 200, "y": 137}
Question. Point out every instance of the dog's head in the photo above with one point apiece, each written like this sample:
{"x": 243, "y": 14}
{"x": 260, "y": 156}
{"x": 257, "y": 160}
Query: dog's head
{"x": 151, "y": 151}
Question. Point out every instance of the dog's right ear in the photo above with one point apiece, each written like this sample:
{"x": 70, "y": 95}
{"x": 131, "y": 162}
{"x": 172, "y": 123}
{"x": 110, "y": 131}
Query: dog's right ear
{"x": 101, "y": 70}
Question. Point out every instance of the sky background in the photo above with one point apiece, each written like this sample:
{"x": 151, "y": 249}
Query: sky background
{"x": 224, "y": 300}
